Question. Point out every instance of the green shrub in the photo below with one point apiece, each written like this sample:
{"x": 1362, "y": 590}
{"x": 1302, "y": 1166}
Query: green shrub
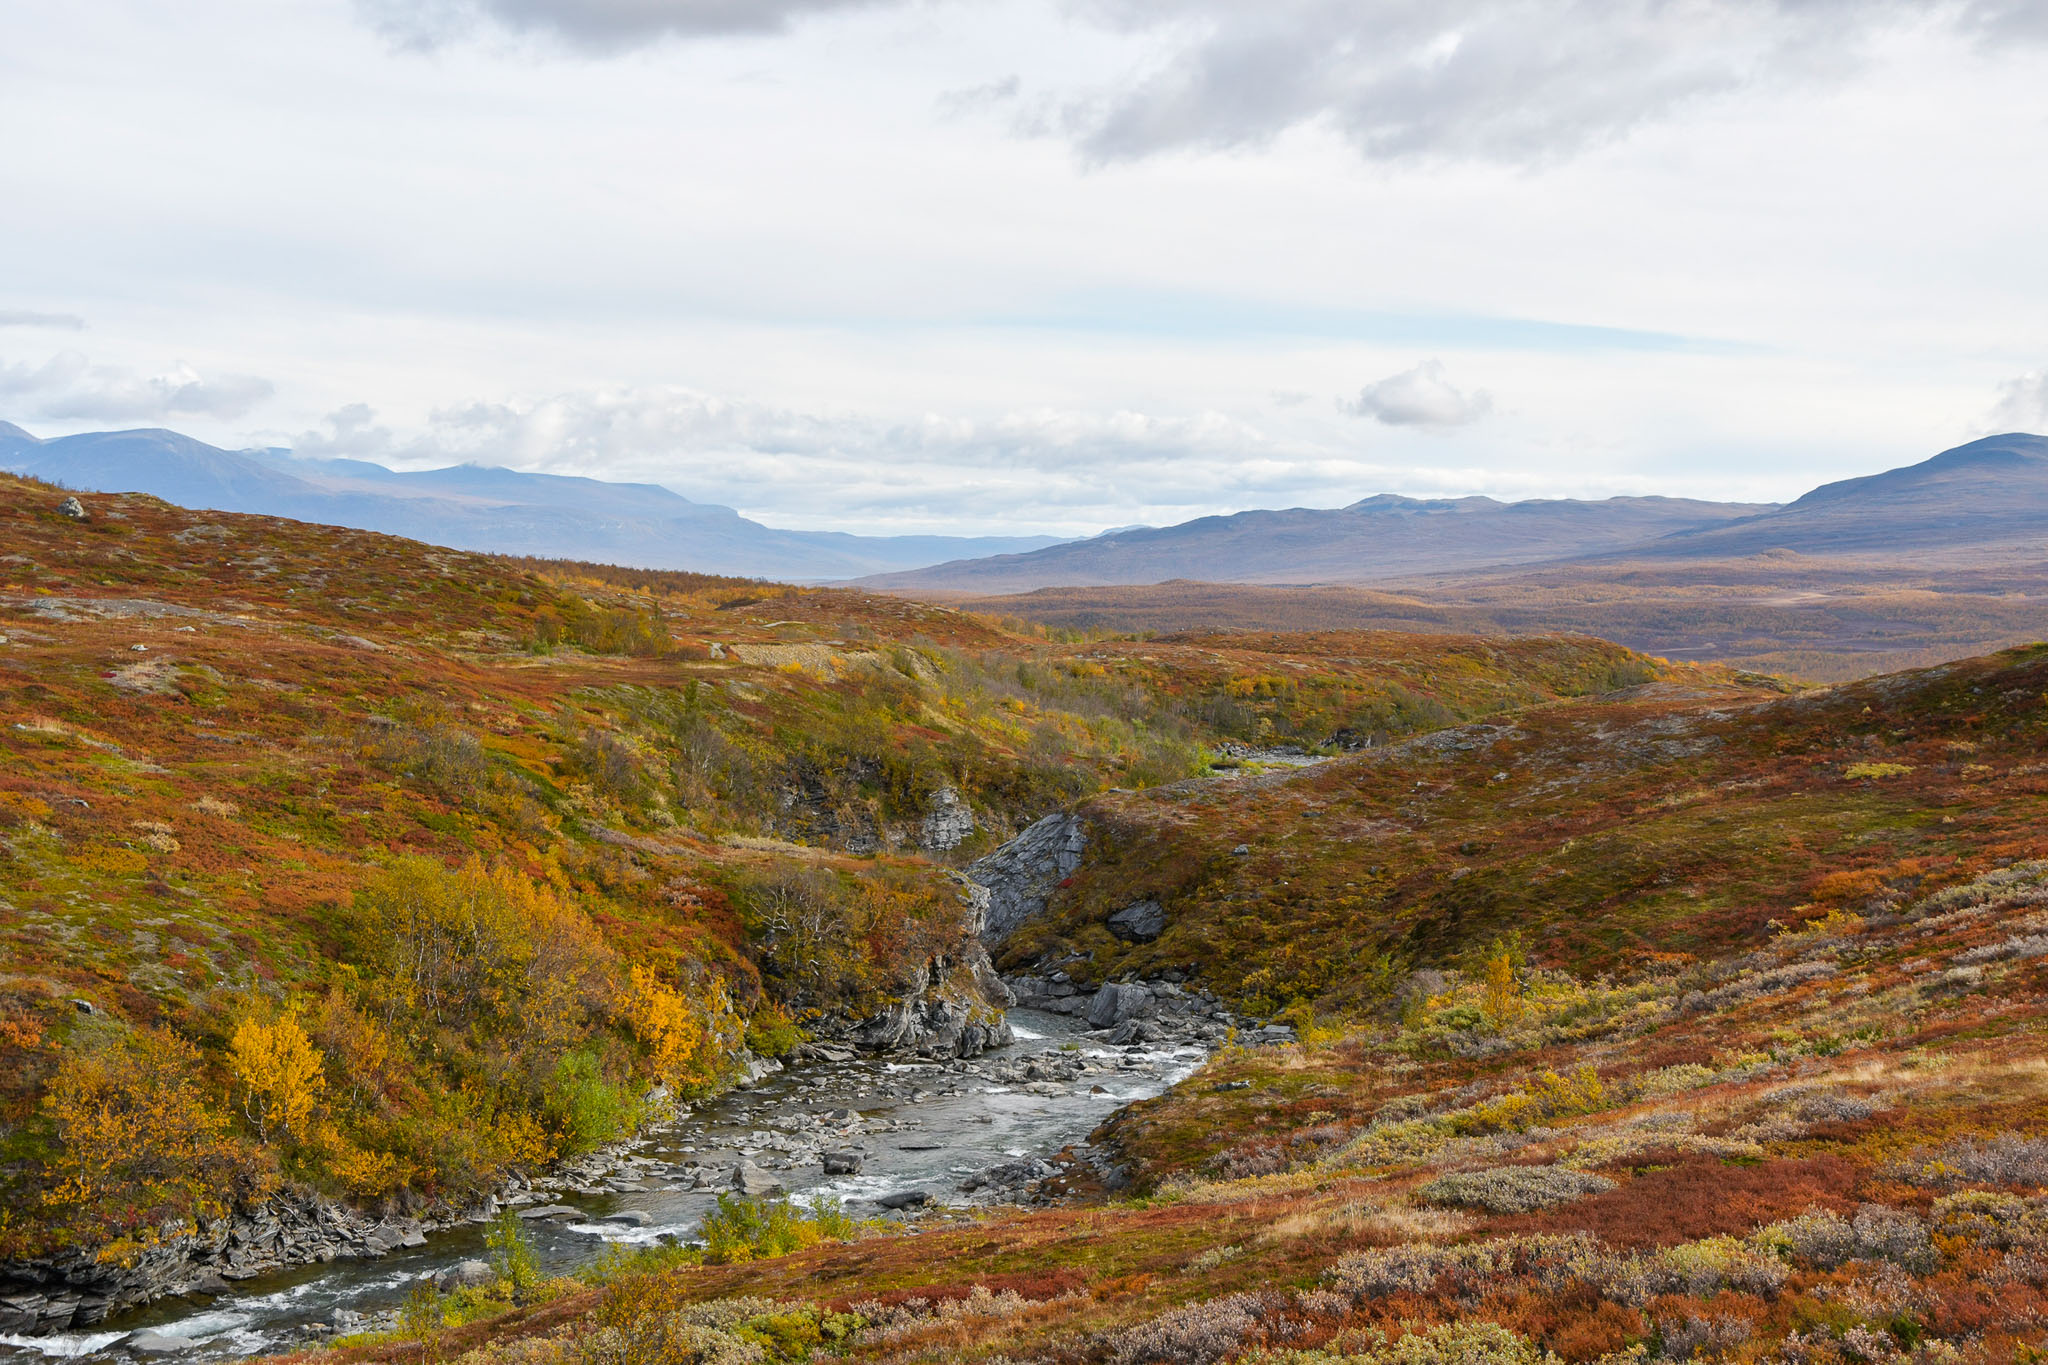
{"x": 588, "y": 1110}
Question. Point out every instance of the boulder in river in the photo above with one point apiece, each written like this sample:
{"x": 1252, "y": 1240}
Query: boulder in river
{"x": 842, "y": 1163}
{"x": 466, "y": 1275}
{"x": 1114, "y": 1003}
{"x": 905, "y": 1199}
{"x": 754, "y": 1183}
{"x": 159, "y": 1343}
{"x": 552, "y": 1211}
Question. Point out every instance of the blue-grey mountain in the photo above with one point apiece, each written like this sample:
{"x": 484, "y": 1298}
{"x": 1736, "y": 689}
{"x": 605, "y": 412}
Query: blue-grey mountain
{"x": 474, "y": 507}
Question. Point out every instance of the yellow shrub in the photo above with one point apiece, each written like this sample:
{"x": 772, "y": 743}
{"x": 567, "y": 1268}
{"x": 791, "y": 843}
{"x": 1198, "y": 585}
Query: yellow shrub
{"x": 1579, "y": 1093}
{"x": 133, "y": 1134}
{"x": 1503, "y": 990}
{"x": 687, "y": 1042}
{"x": 279, "y": 1071}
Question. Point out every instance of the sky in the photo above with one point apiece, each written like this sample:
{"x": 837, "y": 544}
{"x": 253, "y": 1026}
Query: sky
{"x": 1011, "y": 266}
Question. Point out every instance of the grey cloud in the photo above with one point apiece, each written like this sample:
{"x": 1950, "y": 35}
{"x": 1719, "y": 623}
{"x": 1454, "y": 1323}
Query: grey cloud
{"x": 1503, "y": 80}
{"x": 18, "y": 318}
{"x": 2022, "y": 404}
{"x": 593, "y": 25}
{"x": 977, "y": 98}
{"x": 1421, "y": 397}
{"x": 69, "y": 387}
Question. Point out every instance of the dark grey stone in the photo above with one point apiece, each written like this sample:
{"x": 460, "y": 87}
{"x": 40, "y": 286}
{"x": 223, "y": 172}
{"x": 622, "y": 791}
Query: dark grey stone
{"x": 1139, "y": 922}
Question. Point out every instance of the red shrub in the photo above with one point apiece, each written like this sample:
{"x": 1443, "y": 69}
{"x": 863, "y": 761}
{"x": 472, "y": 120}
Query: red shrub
{"x": 1698, "y": 1197}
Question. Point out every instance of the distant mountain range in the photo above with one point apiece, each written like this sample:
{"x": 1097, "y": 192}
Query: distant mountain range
{"x": 475, "y": 507}
{"x": 1971, "y": 503}
{"x": 1974, "y": 503}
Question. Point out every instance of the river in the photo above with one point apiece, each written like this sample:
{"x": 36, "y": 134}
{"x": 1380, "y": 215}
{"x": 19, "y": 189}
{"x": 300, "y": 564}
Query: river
{"x": 920, "y": 1126}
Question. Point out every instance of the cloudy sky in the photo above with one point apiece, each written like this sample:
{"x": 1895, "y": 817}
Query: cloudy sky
{"x": 981, "y": 265}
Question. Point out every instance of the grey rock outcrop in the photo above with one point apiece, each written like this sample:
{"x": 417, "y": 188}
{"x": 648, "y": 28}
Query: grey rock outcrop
{"x": 75, "y": 1289}
{"x": 1023, "y": 873}
{"x": 950, "y": 1007}
{"x": 947, "y": 822}
{"x": 1139, "y": 922}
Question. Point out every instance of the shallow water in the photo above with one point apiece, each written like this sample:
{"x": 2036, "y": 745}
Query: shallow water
{"x": 926, "y": 1127}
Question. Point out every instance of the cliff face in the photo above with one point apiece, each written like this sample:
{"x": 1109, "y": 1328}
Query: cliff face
{"x": 1021, "y": 874}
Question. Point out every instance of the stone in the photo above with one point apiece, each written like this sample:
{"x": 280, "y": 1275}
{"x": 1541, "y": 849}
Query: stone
{"x": 905, "y": 1199}
{"x": 552, "y": 1211}
{"x": 842, "y": 1163}
{"x": 1139, "y": 922}
{"x": 465, "y": 1275}
{"x": 1242, "y": 850}
{"x": 74, "y": 509}
{"x": 638, "y": 1218}
{"x": 753, "y": 1183}
{"x": 157, "y": 1343}
{"x": 1115, "y": 1003}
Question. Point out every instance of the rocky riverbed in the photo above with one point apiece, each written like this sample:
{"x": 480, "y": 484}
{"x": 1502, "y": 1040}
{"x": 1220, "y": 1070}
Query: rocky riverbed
{"x": 886, "y": 1136}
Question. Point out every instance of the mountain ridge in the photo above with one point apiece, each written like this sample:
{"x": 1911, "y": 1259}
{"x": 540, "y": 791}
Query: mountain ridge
{"x": 474, "y": 507}
{"x": 1973, "y": 500}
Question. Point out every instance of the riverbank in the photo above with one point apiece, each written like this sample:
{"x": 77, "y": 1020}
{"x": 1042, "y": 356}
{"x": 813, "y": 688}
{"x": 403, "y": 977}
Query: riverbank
{"x": 918, "y": 1127}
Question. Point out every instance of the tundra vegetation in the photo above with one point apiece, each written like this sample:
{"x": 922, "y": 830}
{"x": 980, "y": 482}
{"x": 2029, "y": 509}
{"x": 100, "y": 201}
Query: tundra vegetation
{"x": 340, "y": 862}
{"x": 1646, "y": 1012}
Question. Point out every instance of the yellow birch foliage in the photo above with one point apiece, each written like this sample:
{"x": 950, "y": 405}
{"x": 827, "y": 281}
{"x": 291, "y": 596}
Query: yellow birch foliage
{"x": 1503, "y": 1003}
{"x": 280, "y": 1072}
{"x": 686, "y": 1043}
{"x": 134, "y": 1137}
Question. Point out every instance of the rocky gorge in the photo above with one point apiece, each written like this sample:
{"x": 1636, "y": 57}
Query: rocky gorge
{"x": 950, "y": 1027}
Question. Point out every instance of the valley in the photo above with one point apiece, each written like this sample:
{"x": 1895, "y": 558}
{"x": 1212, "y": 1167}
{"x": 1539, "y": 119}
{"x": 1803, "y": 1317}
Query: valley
{"x": 1316, "y": 997}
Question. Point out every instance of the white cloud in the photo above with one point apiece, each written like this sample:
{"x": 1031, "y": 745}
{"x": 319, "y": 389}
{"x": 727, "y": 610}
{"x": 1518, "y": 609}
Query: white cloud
{"x": 20, "y": 318}
{"x": 68, "y": 387}
{"x": 593, "y": 25}
{"x": 2022, "y": 404}
{"x": 1421, "y": 397}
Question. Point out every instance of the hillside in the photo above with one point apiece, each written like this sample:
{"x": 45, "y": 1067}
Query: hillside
{"x": 474, "y": 507}
{"x": 1976, "y": 503}
{"x": 263, "y": 776}
{"x": 1689, "y": 1024}
{"x": 1621, "y": 1010}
